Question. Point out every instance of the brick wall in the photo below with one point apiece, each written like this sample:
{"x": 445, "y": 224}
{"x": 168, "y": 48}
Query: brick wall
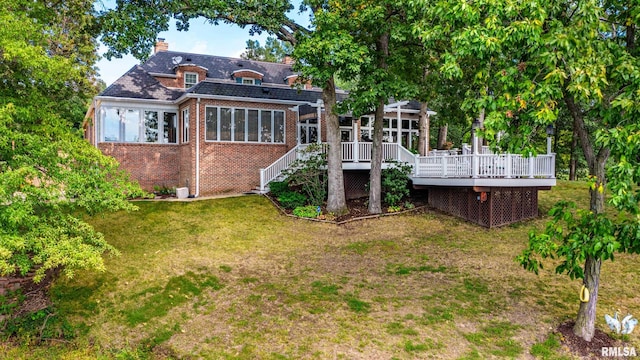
{"x": 178, "y": 82}
{"x": 225, "y": 167}
{"x": 234, "y": 167}
{"x": 149, "y": 164}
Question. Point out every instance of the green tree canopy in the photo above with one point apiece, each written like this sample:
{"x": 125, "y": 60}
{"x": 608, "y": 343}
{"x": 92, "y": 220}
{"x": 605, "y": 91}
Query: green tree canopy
{"x": 530, "y": 60}
{"x": 49, "y": 175}
{"x": 273, "y": 50}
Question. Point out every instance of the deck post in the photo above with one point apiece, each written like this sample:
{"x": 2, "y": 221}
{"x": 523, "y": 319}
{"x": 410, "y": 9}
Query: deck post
{"x": 444, "y": 166}
{"x": 356, "y": 151}
{"x": 262, "y": 184}
{"x": 509, "y": 171}
{"x": 475, "y": 166}
{"x": 416, "y": 165}
{"x": 553, "y": 166}
{"x": 531, "y": 165}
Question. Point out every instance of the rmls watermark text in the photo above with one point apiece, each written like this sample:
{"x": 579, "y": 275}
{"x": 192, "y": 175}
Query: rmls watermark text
{"x": 618, "y": 351}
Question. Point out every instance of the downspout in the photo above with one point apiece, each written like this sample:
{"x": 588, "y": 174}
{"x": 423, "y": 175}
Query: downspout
{"x": 197, "y": 148}
{"x": 96, "y": 120}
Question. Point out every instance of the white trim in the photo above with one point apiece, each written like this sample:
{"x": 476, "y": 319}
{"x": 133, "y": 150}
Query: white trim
{"x": 197, "y": 148}
{"x": 241, "y": 99}
{"x": 246, "y": 122}
{"x": 121, "y": 100}
{"x": 252, "y": 71}
{"x": 492, "y": 182}
{"x": 184, "y": 79}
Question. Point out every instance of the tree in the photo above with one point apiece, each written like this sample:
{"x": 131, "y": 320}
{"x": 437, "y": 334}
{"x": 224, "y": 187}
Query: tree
{"x": 49, "y": 176}
{"x": 381, "y": 32}
{"x": 534, "y": 58}
{"x": 274, "y": 50}
{"x": 133, "y": 26}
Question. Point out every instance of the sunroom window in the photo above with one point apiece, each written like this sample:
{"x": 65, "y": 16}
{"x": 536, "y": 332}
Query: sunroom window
{"x": 244, "y": 125}
{"x": 137, "y": 125}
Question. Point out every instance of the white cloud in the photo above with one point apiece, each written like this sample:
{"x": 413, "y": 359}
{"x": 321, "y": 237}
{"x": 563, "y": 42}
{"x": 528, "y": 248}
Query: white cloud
{"x": 200, "y": 47}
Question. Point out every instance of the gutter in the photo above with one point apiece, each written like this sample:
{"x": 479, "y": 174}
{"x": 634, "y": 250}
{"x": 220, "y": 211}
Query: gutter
{"x": 197, "y": 148}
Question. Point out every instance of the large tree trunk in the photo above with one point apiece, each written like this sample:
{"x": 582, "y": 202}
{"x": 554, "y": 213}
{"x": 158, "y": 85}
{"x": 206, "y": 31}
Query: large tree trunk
{"x": 573, "y": 159}
{"x": 375, "y": 177}
{"x": 442, "y": 136}
{"x": 423, "y": 133}
{"x": 336, "y": 202}
{"x": 585, "y": 322}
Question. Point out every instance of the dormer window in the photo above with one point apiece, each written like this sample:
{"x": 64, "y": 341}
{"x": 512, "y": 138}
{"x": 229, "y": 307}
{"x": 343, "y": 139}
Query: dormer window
{"x": 190, "y": 79}
{"x": 247, "y": 77}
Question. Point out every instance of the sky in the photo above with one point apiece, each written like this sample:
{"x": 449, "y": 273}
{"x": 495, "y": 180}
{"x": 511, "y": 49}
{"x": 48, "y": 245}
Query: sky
{"x": 202, "y": 38}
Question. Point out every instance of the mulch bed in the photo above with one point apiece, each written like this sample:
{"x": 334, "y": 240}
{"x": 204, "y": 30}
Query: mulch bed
{"x": 586, "y": 350}
{"x": 358, "y": 209}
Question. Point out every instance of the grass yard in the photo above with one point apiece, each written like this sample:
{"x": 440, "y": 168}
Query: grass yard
{"x": 233, "y": 279}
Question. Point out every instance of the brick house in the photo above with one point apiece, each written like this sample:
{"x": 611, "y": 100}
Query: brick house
{"x": 223, "y": 125}
{"x": 210, "y": 123}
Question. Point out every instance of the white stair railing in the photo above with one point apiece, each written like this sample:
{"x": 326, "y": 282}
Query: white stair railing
{"x": 274, "y": 170}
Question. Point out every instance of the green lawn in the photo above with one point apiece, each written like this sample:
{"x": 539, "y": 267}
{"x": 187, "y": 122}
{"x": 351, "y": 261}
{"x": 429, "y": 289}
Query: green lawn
{"x": 233, "y": 279}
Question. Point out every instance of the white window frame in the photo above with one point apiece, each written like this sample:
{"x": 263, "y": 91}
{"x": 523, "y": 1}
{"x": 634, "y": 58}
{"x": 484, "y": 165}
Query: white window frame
{"x": 186, "y": 84}
{"x": 122, "y": 110}
{"x": 248, "y": 81}
{"x": 184, "y": 125}
{"x": 246, "y": 125}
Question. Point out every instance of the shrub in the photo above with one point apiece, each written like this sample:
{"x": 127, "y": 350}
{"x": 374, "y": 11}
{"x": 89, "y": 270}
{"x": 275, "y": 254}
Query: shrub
{"x": 308, "y": 211}
{"x": 292, "y": 200}
{"x": 395, "y": 181}
{"x": 277, "y": 188}
{"x": 309, "y": 172}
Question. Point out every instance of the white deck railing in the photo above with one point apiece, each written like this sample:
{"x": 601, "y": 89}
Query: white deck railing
{"x": 274, "y": 170}
{"x": 485, "y": 165}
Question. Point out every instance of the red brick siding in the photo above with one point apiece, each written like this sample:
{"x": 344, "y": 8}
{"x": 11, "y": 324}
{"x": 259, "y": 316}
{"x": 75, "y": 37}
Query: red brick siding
{"x": 202, "y": 74}
{"x": 233, "y": 167}
{"x": 178, "y": 82}
{"x": 169, "y": 82}
{"x": 149, "y": 164}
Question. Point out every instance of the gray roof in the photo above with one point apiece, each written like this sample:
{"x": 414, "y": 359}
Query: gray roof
{"x": 138, "y": 84}
{"x": 219, "y": 67}
{"x": 254, "y": 91}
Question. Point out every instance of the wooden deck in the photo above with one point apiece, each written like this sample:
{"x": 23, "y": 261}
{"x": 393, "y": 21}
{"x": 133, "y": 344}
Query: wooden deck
{"x": 440, "y": 169}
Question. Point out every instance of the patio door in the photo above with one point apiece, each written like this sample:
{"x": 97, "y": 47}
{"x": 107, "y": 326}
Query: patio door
{"x": 308, "y": 131}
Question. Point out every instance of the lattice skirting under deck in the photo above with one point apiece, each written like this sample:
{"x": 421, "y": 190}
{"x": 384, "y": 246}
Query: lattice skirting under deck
{"x": 496, "y": 207}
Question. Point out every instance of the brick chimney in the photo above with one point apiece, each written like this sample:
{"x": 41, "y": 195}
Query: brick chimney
{"x": 160, "y": 46}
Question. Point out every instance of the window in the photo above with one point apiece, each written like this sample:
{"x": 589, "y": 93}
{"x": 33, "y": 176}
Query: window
{"x": 407, "y": 133}
{"x": 170, "y": 128}
{"x": 111, "y": 124}
{"x": 138, "y": 125}
{"x": 211, "y": 123}
{"x": 244, "y": 125}
{"x": 190, "y": 79}
{"x": 225, "y": 124}
{"x": 151, "y": 126}
{"x": 239, "y": 125}
{"x": 185, "y": 125}
{"x": 248, "y": 81}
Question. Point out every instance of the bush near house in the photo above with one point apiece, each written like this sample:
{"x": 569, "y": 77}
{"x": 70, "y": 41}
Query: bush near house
{"x": 395, "y": 183}
{"x": 292, "y": 199}
{"x": 277, "y": 188}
